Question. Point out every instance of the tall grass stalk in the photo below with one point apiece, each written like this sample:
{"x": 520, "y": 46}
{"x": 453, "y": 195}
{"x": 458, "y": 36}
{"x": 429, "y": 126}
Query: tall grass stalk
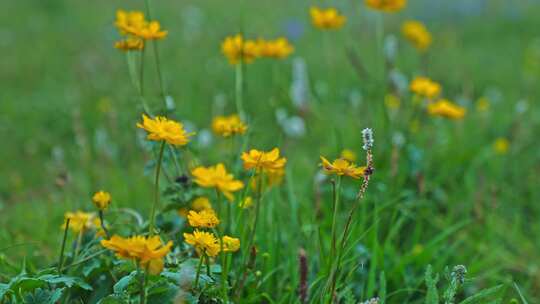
{"x": 156, "y": 190}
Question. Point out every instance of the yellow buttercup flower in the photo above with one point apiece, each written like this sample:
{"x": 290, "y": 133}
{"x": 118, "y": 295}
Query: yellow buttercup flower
{"x": 129, "y": 22}
{"x": 482, "y": 104}
{"x": 204, "y": 242}
{"x": 425, "y": 87}
{"x": 227, "y": 126}
{"x": 80, "y": 221}
{"x": 217, "y": 177}
{"x": 101, "y": 199}
{"x": 266, "y": 161}
{"x": 278, "y": 48}
{"x": 447, "y": 109}
{"x": 230, "y": 244}
{"x": 143, "y": 249}
{"x": 130, "y": 44}
{"x": 342, "y": 167}
{"x": 163, "y": 129}
{"x": 151, "y": 31}
{"x": 203, "y": 219}
{"x": 389, "y": 6}
{"x": 417, "y": 33}
{"x": 348, "y": 155}
{"x": 326, "y": 19}
{"x": 237, "y": 49}
{"x": 501, "y": 145}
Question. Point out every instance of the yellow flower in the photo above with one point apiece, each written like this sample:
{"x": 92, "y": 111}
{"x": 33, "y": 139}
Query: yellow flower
{"x": 275, "y": 177}
{"x": 246, "y": 203}
{"x": 417, "y": 33}
{"x": 217, "y": 177}
{"x": 389, "y": 6}
{"x": 230, "y": 244}
{"x": 201, "y": 203}
{"x": 227, "y": 126}
{"x": 447, "y": 109}
{"x": 151, "y": 31}
{"x": 237, "y": 50}
{"x": 482, "y": 104}
{"x": 501, "y": 145}
{"x": 129, "y": 22}
{"x": 130, "y": 44}
{"x": 203, "y": 219}
{"x": 425, "y": 87}
{"x": 79, "y": 221}
{"x": 143, "y": 249}
{"x": 278, "y": 48}
{"x": 204, "y": 242}
{"x": 392, "y": 102}
{"x": 101, "y": 199}
{"x": 341, "y": 167}
{"x": 326, "y": 19}
{"x": 260, "y": 160}
{"x": 163, "y": 129}
{"x": 348, "y": 155}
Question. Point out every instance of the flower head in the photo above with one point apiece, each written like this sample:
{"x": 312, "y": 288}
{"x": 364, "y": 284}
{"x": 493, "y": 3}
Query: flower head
{"x": 230, "y": 244}
{"x": 204, "y": 242}
{"x": 447, "y": 109}
{"x": 129, "y": 22}
{"x": 152, "y": 31}
{"x": 80, "y": 221}
{"x": 201, "y": 203}
{"x": 501, "y": 145}
{"x": 326, "y": 19}
{"x": 348, "y": 155}
{"x": 278, "y": 48}
{"x": 237, "y": 49}
{"x": 227, "y": 126}
{"x": 130, "y": 44}
{"x": 388, "y": 6}
{"x": 203, "y": 219}
{"x": 163, "y": 129}
{"x": 266, "y": 161}
{"x": 217, "y": 177}
{"x": 367, "y": 139}
{"x": 101, "y": 199}
{"x": 417, "y": 33}
{"x": 425, "y": 87}
{"x": 342, "y": 167}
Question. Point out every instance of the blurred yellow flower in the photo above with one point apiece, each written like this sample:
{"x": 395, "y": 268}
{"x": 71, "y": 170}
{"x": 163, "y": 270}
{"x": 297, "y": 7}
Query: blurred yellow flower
{"x": 201, "y": 203}
{"x": 227, "y": 126}
{"x": 152, "y": 31}
{"x": 278, "y": 48}
{"x": 341, "y": 167}
{"x": 389, "y": 6}
{"x": 425, "y": 87}
{"x": 348, "y": 155}
{"x": 230, "y": 244}
{"x": 392, "y": 102}
{"x": 447, "y": 109}
{"x": 130, "y": 44}
{"x": 275, "y": 177}
{"x": 482, "y": 104}
{"x": 129, "y": 22}
{"x": 417, "y": 34}
{"x": 203, "y": 219}
{"x": 501, "y": 145}
{"x": 144, "y": 249}
{"x": 217, "y": 177}
{"x": 204, "y": 242}
{"x": 246, "y": 203}
{"x": 163, "y": 129}
{"x": 237, "y": 49}
{"x": 80, "y": 221}
{"x": 328, "y": 18}
{"x": 101, "y": 199}
{"x": 260, "y": 160}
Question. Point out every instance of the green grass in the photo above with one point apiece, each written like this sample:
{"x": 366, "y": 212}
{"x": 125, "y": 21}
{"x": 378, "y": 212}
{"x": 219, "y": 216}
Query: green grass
{"x": 68, "y": 109}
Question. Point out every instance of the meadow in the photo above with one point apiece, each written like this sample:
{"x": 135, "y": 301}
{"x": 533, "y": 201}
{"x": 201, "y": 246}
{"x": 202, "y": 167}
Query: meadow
{"x": 441, "y": 206}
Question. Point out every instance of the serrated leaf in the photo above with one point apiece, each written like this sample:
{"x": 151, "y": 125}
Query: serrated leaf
{"x": 42, "y": 296}
{"x": 432, "y": 296}
{"x": 128, "y": 284}
{"x": 162, "y": 292}
{"x": 68, "y": 281}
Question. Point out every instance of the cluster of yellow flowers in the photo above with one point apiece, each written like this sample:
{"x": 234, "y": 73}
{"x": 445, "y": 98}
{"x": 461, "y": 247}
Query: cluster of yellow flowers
{"x": 425, "y": 87}
{"x": 136, "y": 28}
{"x": 388, "y": 6}
{"x": 148, "y": 251}
{"x": 326, "y": 19}
{"x": 429, "y": 89}
{"x": 80, "y": 221}
{"x": 417, "y": 33}
{"x": 228, "y": 126}
{"x": 237, "y": 49}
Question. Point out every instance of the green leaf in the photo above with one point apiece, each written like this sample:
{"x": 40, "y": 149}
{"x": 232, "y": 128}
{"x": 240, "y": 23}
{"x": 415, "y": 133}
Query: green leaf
{"x": 481, "y": 297}
{"x": 42, "y": 296}
{"x": 382, "y": 288}
{"x": 432, "y": 296}
{"x": 68, "y": 281}
{"x": 113, "y": 299}
{"x": 128, "y": 284}
{"x": 162, "y": 292}
{"x": 4, "y": 289}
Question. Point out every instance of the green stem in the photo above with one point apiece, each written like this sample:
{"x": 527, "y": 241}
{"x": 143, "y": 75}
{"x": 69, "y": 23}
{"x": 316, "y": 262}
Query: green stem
{"x": 141, "y": 81}
{"x": 156, "y": 190}
{"x": 257, "y": 208}
{"x": 102, "y": 222}
{"x": 158, "y": 68}
{"x": 201, "y": 258}
{"x": 239, "y": 86}
{"x": 61, "y": 259}
{"x": 144, "y": 279}
{"x": 336, "y": 194}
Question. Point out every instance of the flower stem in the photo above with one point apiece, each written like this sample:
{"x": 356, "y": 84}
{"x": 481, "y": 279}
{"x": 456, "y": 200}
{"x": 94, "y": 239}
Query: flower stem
{"x": 102, "y": 223}
{"x": 156, "y": 190}
{"x": 201, "y": 258}
{"x": 61, "y": 259}
{"x": 240, "y": 90}
{"x": 336, "y": 194}
{"x": 257, "y": 208}
{"x": 144, "y": 279}
{"x": 158, "y": 68}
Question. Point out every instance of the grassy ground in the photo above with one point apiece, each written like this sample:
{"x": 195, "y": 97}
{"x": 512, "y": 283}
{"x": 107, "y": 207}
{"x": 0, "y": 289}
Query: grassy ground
{"x": 444, "y": 197}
